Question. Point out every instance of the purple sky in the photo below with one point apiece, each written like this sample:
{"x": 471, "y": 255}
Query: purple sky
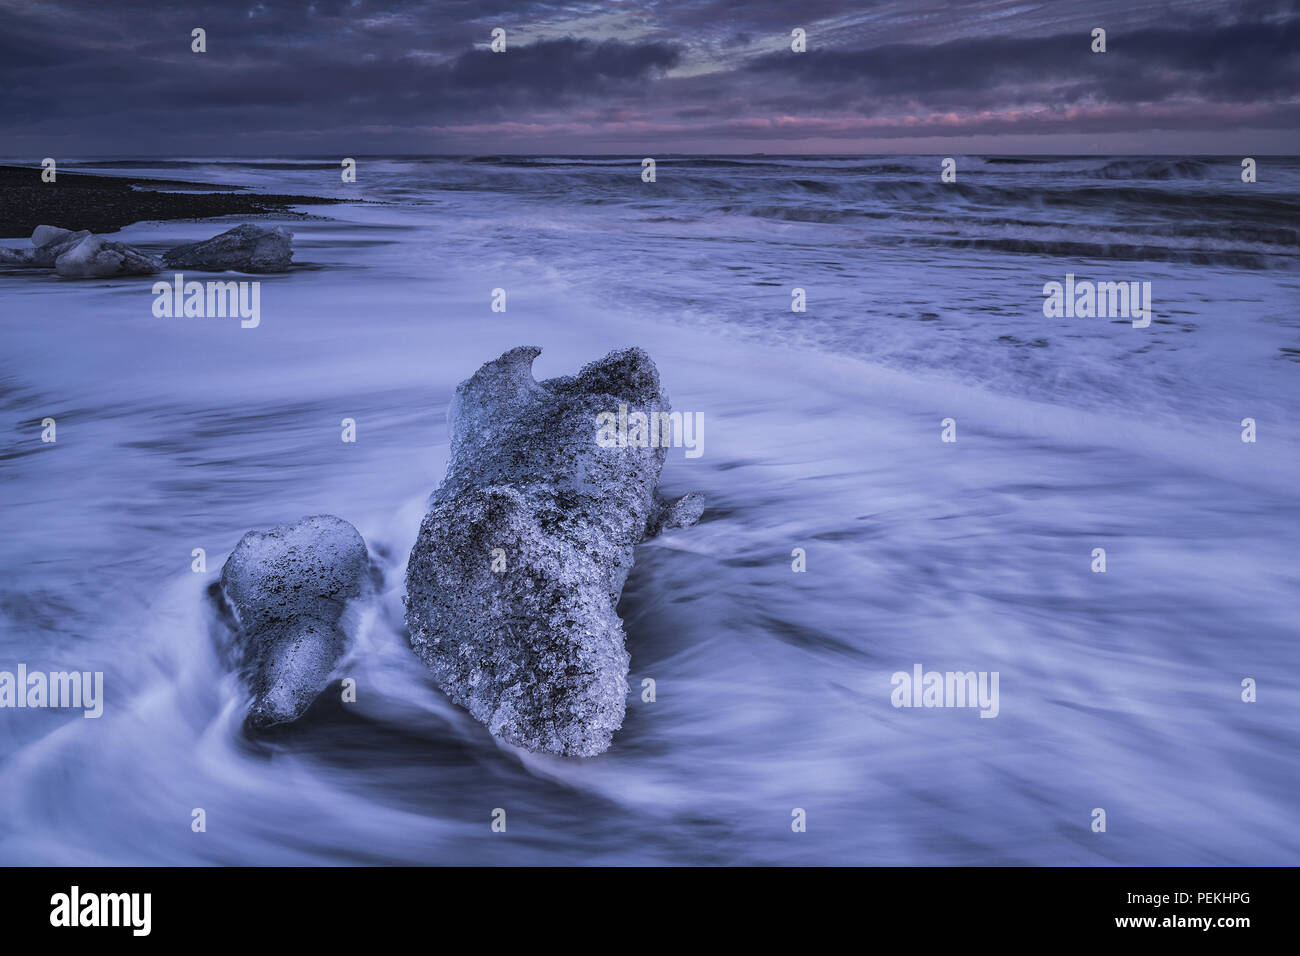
{"x": 89, "y": 77}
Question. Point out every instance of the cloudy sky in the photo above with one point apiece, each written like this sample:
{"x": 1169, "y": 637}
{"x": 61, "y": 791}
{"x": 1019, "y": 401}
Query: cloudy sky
{"x": 358, "y": 77}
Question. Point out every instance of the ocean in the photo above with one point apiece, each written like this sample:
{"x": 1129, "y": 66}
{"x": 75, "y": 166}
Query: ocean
{"x": 923, "y": 319}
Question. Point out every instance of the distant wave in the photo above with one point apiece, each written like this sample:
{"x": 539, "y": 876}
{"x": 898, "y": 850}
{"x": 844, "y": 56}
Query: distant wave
{"x": 1161, "y": 169}
{"x": 1064, "y": 249}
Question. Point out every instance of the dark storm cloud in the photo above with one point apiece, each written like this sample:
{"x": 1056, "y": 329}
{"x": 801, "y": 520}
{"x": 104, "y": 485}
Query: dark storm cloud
{"x": 412, "y": 75}
{"x": 1238, "y": 60}
{"x": 323, "y": 79}
{"x": 551, "y": 66}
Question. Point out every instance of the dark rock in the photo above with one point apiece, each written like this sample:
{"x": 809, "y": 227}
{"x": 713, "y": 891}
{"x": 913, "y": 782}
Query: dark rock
{"x": 246, "y": 248}
{"x": 96, "y": 258}
{"x": 287, "y": 589}
{"x": 681, "y": 513}
{"x": 55, "y": 243}
{"x": 44, "y": 235}
{"x": 535, "y": 651}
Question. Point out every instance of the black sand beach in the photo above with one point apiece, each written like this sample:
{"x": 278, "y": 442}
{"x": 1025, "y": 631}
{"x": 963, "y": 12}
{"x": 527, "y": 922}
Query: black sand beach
{"x": 104, "y": 204}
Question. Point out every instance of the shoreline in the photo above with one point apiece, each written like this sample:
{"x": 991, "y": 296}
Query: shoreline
{"x": 106, "y": 204}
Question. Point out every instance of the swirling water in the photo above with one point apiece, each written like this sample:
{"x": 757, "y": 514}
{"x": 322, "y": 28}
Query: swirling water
{"x": 1119, "y": 690}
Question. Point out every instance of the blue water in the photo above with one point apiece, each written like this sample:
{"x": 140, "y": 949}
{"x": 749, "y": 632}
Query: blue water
{"x": 1119, "y": 691}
